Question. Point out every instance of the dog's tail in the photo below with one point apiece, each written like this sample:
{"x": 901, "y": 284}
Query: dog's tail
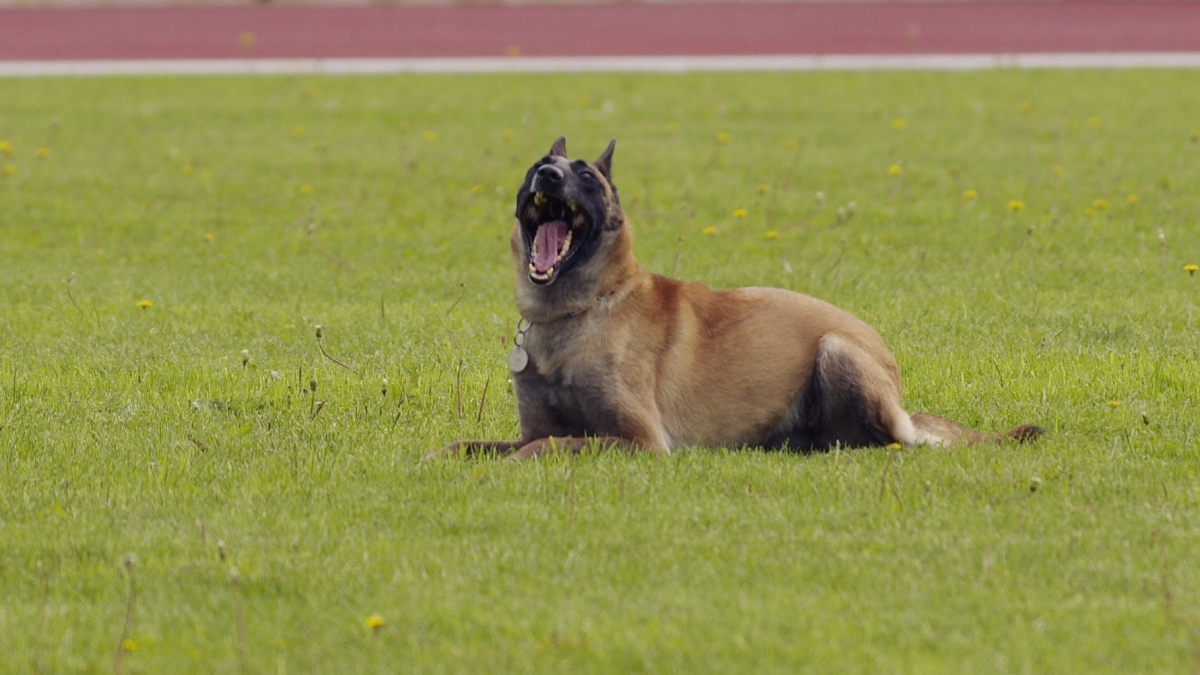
{"x": 934, "y": 430}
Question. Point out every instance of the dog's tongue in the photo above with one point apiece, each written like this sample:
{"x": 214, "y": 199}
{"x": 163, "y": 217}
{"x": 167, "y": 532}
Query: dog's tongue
{"x": 549, "y": 238}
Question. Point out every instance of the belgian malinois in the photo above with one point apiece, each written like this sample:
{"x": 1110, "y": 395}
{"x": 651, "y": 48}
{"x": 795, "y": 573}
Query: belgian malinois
{"x": 607, "y": 355}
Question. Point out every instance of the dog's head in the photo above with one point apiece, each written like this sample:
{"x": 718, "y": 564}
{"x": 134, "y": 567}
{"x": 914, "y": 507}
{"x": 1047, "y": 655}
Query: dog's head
{"x": 568, "y": 218}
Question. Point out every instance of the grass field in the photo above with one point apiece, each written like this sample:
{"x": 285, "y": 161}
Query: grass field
{"x": 172, "y": 503}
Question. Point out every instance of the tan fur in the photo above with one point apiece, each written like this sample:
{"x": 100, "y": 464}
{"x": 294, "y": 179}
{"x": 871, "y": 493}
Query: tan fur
{"x": 665, "y": 364}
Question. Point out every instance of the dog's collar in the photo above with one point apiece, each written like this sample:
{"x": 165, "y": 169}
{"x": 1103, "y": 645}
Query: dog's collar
{"x": 518, "y": 358}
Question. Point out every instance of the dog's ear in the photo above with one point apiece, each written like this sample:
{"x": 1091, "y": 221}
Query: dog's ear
{"x": 604, "y": 161}
{"x": 559, "y": 149}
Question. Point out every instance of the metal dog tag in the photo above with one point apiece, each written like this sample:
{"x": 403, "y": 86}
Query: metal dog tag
{"x": 518, "y": 359}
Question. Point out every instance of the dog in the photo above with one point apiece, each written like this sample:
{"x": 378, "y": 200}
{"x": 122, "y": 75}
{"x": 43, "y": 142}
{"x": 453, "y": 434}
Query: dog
{"x": 610, "y": 356}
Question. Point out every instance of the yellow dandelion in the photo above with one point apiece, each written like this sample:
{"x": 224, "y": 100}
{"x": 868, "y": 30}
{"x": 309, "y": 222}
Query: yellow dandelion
{"x": 1195, "y": 135}
{"x": 1024, "y": 107}
{"x": 1089, "y": 212}
{"x": 895, "y": 170}
{"x": 374, "y": 622}
{"x": 8, "y": 170}
{"x": 790, "y": 144}
{"x": 129, "y": 645}
{"x": 970, "y": 194}
{"x": 893, "y": 446}
{"x": 1058, "y": 171}
{"x": 899, "y": 123}
{"x": 298, "y": 131}
{"x": 1016, "y": 205}
{"x": 1191, "y": 269}
{"x": 724, "y": 137}
{"x": 430, "y": 136}
{"x": 208, "y": 236}
{"x": 772, "y": 234}
{"x": 673, "y": 128}
{"x": 145, "y": 304}
{"x": 476, "y": 189}
{"x": 506, "y": 134}
{"x": 1100, "y": 204}
{"x": 247, "y": 39}
{"x": 1093, "y": 122}
{"x": 763, "y": 189}
{"x": 1132, "y": 200}
{"x": 739, "y": 213}
{"x": 710, "y": 230}
{"x": 187, "y": 170}
{"x": 42, "y": 153}
{"x": 306, "y": 189}
{"x": 6, "y": 148}
{"x": 1114, "y": 404}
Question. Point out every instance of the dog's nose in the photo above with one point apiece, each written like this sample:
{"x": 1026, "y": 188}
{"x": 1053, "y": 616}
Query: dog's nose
{"x": 550, "y": 174}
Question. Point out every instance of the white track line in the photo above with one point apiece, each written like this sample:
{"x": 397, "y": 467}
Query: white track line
{"x": 586, "y": 64}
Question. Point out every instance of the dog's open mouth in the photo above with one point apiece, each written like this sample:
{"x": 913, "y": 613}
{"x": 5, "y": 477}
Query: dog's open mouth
{"x": 554, "y": 230}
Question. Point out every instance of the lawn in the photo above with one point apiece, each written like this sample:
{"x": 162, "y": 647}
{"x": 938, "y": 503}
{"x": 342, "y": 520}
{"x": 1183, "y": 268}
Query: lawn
{"x": 189, "y": 484}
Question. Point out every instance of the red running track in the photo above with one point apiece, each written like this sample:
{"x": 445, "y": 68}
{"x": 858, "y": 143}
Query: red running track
{"x": 601, "y": 30}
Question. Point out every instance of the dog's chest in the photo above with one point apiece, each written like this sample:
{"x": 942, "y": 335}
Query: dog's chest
{"x": 568, "y": 391}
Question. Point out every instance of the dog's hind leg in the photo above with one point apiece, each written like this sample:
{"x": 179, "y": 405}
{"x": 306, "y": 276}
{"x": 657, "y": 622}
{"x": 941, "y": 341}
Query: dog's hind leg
{"x": 852, "y": 398}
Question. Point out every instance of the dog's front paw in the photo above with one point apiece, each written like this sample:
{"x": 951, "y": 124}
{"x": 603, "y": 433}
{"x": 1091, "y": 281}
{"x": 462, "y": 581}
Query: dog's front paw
{"x": 474, "y": 448}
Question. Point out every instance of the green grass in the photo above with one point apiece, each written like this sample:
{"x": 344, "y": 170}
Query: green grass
{"x": 139, "y": 431}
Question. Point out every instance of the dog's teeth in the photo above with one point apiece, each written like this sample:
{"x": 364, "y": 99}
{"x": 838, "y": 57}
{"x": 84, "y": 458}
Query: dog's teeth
{"x": 539, "y": 199}
{"x": 549, "y": 273}
{"x": 566, "y": 245}
{"x": 532, "y": 269}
